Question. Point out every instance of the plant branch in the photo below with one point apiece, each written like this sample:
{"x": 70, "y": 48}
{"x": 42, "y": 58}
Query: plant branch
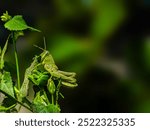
{"x": 16, "y": 100}
{"x": 46, "y": 97}
{"x": 57, "y": 91}
{"x": 16, "y": 59}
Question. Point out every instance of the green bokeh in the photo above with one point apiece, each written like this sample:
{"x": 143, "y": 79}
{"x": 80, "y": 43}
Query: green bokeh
{"x": 105, "y": 42}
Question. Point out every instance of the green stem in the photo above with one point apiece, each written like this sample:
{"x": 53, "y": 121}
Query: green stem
{"x": 27, "y": 101}
{"x": 52, "y": 96}
{"x": 24, "y": 106}
{"x": 16, "y": 59}
{"x": 57, "y": 91}
{"x": 46, "y": 97}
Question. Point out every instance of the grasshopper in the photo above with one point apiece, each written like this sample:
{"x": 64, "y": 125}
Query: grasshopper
{"x": 49, "y": 65}
{"x": 67, "y": 78}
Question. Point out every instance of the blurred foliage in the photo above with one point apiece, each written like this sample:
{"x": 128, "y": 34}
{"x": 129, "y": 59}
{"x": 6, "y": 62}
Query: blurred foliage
{"x": 146, "y": 53}
{"x": 105, "y": 41}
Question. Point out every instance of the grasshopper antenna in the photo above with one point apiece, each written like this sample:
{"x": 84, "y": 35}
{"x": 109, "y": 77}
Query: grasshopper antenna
{"x": 38, "y": 47}
{"x": 44, "y": 43}
{"x": 41, "y": 47}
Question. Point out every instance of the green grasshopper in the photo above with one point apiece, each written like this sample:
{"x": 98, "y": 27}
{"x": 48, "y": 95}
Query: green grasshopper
{"x": 67, "y": 78}
{"x": 49, "y": 65}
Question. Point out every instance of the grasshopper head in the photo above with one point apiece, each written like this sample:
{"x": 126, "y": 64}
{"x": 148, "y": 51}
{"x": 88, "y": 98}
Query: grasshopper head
{"x": 44, "y": 54}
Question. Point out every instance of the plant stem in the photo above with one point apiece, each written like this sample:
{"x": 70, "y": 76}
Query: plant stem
{"x": 16, "y": 100}
{"x": 16, "y": 59}
{"x": 27, "y": 101}
{"x": 57, "y": 91}
{"x": 24, "y": 106}
{"x": 52, "y": 99}
{"x": 46, "y": 97}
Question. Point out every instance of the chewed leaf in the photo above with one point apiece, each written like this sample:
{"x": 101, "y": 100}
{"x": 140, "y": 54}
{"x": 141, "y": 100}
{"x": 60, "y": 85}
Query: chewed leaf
{"x": 6, "y": 84}
{"x": 17, "y": 23}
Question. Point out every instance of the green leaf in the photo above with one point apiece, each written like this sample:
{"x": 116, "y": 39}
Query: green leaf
{"x": 39, "y": 99}
{"x": 6, "y": 84}
{"x": 2, "y": 54}
{"x": 51, "y": 108}
{"x": 25, "y": 84}
{"x": 17, "y": 23}
{"x": 40, "y": 108}
{"x": 39, "y": 105}
{"x": 38, "y": 78}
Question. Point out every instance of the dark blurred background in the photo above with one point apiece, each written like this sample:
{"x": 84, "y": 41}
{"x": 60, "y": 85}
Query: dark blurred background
{"x": 106, "y": 42}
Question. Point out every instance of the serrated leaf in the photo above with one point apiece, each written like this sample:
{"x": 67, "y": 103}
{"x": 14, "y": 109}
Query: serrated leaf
{"x": 17, "y": 23}
{"x": 6, "y": 84}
